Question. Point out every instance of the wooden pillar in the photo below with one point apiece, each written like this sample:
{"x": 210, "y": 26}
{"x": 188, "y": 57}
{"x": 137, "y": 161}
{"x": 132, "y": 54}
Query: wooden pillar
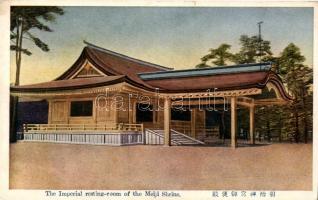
{"x": 252, "y": 124}
{"x": 167, "y": 118}
{"x": 95, "y": 110}
{"x": 134, "y": 113}
{"x": 68, "y": 110}
{"x": 115, "y": 115}
{"x": 233, "y": 121}
{"x": 193, "y": 121}
{"x": 131, "y": 111}
{"x": 204, "y": 123}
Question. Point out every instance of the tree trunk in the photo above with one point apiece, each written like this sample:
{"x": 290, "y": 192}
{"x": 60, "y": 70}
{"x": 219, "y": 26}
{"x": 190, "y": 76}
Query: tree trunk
{"x": 297, "y": 133}
{"x": 305, "y": 129}
{"x": 305, "y": 115}
{"x": 15, "y": 100}
{"x": 13, "y": 118}
{"x": 18, "y": 52}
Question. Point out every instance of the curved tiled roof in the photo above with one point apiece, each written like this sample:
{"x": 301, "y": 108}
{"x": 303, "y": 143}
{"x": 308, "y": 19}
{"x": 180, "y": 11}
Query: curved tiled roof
{"x": 199, "y": 83}
{"x": 112, "y": 63}
{"x": 121, "y": 68}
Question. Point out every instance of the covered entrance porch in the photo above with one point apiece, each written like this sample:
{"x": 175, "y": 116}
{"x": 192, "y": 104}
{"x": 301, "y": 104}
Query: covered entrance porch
{"x": 215, "y": 121}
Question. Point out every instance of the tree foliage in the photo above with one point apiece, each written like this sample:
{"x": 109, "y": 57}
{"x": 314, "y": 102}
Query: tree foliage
{"x": 299, "y": 79}
{"x": 24, "y": 19}
{"x": 219, "y": 56}
{"x": 31, "y": 18}
{"x": 292, "y": 121}
{"x": 252, "y": 48}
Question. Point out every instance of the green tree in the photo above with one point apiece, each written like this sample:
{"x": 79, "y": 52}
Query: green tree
{"x": 219, "y": 56}
{"x": 271, "y": 122}
{"x": 25, "y": 19}
{"x": 251, "y": 49}
{"x": 299, "y": 79}
{"x": 292, "y": 121}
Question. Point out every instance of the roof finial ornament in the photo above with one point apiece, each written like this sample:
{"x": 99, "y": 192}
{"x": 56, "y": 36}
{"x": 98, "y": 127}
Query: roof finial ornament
{"x": 260, "y": 51}
{"x": 85, "y": 42}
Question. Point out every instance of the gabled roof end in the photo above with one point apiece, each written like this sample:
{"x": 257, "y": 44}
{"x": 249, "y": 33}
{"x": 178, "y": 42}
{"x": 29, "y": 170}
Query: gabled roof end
{"x": 126, "y": 57}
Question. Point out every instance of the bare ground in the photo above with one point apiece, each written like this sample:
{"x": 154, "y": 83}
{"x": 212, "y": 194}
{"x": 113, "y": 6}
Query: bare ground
{"x": 70, "y": 166}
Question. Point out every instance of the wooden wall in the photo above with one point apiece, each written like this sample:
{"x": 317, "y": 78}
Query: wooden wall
{"x": 59, "y": 113}
{"x": 104, "y": 113}
{"x": 125, "y": 108}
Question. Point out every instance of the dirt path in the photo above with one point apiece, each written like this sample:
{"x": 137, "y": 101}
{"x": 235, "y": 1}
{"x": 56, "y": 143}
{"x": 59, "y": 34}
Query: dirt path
{"x": 65, "y": 166}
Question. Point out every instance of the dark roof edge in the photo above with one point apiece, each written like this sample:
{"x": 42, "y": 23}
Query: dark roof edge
{"x": 62, "y": 88}
{"x": 276, "y": 80}
{"x": 127, "y": 57}
{"x": 204, "y": 71}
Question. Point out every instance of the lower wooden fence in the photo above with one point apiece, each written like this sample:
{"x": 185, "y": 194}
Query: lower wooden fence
{"x": 114, "y": 139}
{"x": 115, "y": 134}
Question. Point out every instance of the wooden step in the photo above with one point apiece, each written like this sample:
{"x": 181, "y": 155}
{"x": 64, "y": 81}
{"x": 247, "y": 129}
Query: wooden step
{"x": 178, "y": 137}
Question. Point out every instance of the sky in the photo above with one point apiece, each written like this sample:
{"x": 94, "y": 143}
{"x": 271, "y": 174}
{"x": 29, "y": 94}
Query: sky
{"x": 173, "y": 37}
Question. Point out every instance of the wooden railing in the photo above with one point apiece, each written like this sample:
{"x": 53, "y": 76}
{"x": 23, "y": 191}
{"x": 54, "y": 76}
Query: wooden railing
{"x": 103, "y": 134}
{"x": 91, "y": 138}
{"x": 78, "y": 128}
{"x": 184, "y": 127}
{"x": 181, "y": 126}
{"x": 186, "y": 136}
{"x": 153, "y": 138}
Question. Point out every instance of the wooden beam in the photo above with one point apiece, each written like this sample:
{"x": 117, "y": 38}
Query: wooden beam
{"x": 245, "y": 101}
{"x": 167, "y": 119}
{"x": 115, "y": 111}
{"x": 193, "y": 121}
{"x": 131, "y": 107}
{"x": 244, "y": 104}
{"x": 226, "y": 93}
{"x": 208, "y": 102}
{"x": 233, "y": 121}
{"x": 50, "y": 112}
{"x": 252, "y": 124}
{"x": 198, "y": 102}
{"x": 272, "y": 101}
{"x": 134, "y": 112}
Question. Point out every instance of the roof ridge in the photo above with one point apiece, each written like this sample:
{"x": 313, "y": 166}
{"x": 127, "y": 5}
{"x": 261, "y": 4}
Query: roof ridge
{"x": 211, "y": 68}
{"x": 125, "y": 56}
{"x": 245, "y": 68}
